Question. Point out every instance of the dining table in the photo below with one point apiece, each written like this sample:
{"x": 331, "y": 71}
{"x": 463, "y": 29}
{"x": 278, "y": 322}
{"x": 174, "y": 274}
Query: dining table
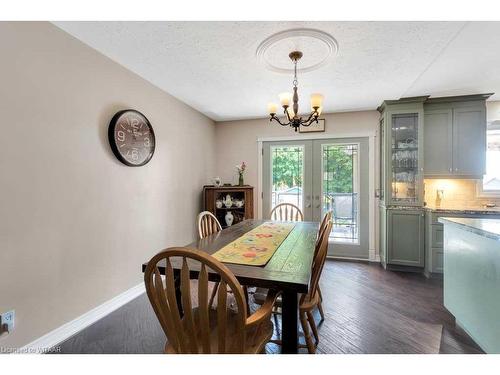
{"x": 288, "y": 270}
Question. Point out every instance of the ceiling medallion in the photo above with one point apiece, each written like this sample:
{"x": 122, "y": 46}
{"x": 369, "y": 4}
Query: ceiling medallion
{"x": 292, "y": 117}
{"x": 318, "y": 46}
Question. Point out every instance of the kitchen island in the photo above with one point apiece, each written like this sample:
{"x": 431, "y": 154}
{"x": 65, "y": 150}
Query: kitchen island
{"x": 472, "y": 277}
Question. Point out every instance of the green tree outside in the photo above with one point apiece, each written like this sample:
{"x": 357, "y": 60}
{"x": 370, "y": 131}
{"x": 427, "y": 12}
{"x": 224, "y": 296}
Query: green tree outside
{"x": 337, "y": 162}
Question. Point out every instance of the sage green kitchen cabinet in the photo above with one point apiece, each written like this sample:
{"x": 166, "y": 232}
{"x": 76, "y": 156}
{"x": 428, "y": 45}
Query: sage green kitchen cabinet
{"x": 469, "y": 141}
{"x": 438, "y": 142}
{"x": 455, "y": 137}
{"x": 405, "y": 237}
{"x": 434, "y": 253}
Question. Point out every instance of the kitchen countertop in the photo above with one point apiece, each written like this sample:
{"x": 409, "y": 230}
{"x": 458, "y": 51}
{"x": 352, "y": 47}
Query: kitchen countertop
{"x": 472, "y": 210}
{"x": 489, "y": 228}
{"x": 463, "y": 210}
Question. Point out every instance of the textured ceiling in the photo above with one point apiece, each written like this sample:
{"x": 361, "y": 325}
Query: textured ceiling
{"x": 212, "y": 65}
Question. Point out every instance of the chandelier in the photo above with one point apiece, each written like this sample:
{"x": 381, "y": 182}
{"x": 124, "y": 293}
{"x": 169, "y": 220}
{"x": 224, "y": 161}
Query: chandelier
{"x": 292, "y": 117}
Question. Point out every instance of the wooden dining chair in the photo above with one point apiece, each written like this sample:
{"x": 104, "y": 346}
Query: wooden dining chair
{"x": 322, "y": 227}
{"x": 208, "y": 224}
{"x": 201, "y": 329}
{"x": 308, "y": 302}
{"x": 286, "y": 212}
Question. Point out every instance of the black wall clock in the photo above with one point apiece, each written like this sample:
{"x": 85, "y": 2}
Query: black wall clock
{"x": 131, "y": 138}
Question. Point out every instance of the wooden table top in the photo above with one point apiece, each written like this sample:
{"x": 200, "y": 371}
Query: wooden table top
{"x": 288, "y": 269}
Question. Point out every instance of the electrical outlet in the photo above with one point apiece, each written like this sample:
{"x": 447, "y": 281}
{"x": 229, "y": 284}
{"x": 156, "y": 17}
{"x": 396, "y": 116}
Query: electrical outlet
{"x": 8, "y": 318}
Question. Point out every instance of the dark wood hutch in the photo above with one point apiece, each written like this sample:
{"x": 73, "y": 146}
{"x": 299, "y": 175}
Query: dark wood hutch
{"x": 211, "y": 194}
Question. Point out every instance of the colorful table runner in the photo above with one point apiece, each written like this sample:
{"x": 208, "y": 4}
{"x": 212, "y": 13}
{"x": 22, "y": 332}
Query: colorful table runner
{"x": 257, "y": 246}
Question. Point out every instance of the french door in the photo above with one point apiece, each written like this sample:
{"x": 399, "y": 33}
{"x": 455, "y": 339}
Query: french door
{"x": 319, "y": 176}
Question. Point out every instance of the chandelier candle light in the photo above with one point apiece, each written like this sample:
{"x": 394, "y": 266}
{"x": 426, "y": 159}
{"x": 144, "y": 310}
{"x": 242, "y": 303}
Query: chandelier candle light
{"x": 292, "y": 113}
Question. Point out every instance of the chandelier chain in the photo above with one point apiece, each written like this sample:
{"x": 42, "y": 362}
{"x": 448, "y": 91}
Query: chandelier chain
{"x": 295, "y": 81}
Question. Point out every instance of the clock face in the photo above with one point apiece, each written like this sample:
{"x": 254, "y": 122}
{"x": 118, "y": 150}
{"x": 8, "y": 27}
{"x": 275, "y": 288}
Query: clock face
{"x": 131, "y": 138}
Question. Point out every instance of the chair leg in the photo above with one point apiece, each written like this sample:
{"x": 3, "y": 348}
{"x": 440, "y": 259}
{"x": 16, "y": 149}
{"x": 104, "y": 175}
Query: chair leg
{"x": 321, "y": 312}
{"x": 320, "y": 306}
{"x": 314, "y": 329}
{"x": 307, "y": 334}
{"x": 214, "y": 293}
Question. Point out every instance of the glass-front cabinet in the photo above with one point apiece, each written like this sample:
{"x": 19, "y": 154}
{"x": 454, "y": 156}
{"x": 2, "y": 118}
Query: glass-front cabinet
{"x": 401, "y": 187}
{"x": 404, "y": 170}
{"x": 402, "y": 152}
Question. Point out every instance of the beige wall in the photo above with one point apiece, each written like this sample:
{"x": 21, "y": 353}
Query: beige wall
{"x": 75, "y": 224}
{"x": 237, "y": 140}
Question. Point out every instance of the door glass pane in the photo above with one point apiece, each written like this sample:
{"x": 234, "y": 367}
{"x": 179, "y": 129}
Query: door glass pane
{"x": 404, "y": 136}
{"x": 287, "y": 165}
{"x": 340, "y": 190}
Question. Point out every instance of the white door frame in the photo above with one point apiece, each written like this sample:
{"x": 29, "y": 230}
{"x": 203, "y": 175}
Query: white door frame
{"x": 372, "y": 217}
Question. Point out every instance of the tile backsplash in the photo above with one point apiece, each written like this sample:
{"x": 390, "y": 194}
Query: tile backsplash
{"x": 456, "y": 193}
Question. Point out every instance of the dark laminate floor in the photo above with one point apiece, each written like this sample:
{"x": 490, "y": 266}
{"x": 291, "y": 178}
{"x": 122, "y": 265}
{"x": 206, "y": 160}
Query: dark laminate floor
{"x": 368, "y": 310}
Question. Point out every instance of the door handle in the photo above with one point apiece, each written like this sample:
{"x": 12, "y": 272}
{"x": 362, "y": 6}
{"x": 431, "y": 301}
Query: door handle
{"x": 308, "y": 205}
{"x": 318, "y": 206}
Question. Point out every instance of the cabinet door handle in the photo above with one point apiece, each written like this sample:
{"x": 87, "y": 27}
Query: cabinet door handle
{"x": 451, "y": 170}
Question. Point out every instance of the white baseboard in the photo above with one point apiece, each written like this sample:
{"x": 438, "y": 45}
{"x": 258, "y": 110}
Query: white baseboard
{"x": 376, "y": 260}
{"x": 58, "y": 335}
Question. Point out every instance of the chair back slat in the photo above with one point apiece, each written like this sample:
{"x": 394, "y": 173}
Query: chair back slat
{"x": 178, "y": 341}
{"x": 286, "y": 212}
{"x": 203, "y": 308}
{"x": 191, "y": 333}
{"x": 161, "y": 301}
{"x": 207, "y": 224}
{"x": 186, "y": 307}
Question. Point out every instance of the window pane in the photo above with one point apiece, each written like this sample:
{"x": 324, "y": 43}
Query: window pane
{"x": 341, "y": 190}
{"x": 287, "y": 176}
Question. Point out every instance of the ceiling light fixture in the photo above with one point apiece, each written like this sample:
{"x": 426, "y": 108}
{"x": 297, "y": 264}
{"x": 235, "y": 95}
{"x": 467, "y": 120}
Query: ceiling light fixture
{"x": 292, "y": 117}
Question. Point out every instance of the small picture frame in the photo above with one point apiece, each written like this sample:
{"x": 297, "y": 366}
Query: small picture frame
{"x": 314, "y": 127}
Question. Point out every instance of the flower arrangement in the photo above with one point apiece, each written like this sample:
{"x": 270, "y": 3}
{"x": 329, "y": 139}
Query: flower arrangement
{"x": 241, "y": 169}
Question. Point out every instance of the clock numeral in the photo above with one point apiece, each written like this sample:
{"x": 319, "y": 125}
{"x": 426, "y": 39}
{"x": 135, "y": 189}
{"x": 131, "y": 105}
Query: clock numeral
{"x": 121, "y": 136}
{"x": 135, "y": 124}
{"x": 134, "y": 154}
{"x": 147, "y": 143}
